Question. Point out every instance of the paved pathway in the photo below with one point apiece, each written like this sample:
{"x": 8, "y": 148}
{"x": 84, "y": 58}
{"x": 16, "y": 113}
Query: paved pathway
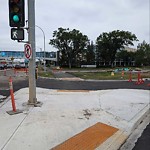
{"x": 62, "y": 74}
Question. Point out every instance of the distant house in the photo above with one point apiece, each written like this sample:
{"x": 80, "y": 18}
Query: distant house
{"x": 129, "y": 49}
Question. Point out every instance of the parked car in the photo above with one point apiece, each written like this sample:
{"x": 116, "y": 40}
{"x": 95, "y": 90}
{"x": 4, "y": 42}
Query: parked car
{"x": 2, "y": 66}
{"x": 22, "y": 65}
{"x": 17, "y": 66}
{"x": 9, "y": 65}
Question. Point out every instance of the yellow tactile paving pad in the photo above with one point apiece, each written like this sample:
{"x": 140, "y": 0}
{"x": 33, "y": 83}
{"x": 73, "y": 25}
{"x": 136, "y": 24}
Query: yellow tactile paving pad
{"x": 88, "y": 139}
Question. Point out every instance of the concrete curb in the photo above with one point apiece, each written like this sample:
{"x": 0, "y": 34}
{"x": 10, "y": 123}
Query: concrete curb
{"x": 140, "y": 117}
{"x": 134, "y": 136}
{"x": 119, "y": 138}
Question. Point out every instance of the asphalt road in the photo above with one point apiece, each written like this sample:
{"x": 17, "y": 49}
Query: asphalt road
{"x": 71, "y": 85}
{"x": 143, "y": 142}
{"x": 89, "y": 85}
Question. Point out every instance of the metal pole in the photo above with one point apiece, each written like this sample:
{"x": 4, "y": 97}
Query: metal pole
{"x": 31, "y": 38}
{"x": 44, "y": 45}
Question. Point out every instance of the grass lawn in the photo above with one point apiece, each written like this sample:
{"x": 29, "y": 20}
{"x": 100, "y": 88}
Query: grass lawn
{"x": 108, "y": 75}
{"x": 97, "y": 74}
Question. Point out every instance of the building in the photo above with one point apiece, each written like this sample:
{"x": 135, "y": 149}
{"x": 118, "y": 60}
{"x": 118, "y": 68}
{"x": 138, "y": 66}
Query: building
{"x": 129, "y": 49}
{"x": 10, "y": 56}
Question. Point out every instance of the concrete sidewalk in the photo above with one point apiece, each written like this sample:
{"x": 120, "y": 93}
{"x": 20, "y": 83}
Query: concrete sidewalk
{"x": 68, "y": 115}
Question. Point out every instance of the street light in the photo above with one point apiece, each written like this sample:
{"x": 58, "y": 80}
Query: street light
{"x": 44, "y": 45}
{"x": 40, "y": 52}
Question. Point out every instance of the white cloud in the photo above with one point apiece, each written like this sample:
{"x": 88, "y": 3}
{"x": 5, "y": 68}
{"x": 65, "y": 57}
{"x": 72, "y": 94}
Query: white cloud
{"x": 91, "y": 17}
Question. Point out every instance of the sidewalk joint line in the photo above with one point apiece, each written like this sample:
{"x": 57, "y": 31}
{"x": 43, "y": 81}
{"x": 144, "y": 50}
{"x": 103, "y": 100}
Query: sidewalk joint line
{"x": 15, "y": 130}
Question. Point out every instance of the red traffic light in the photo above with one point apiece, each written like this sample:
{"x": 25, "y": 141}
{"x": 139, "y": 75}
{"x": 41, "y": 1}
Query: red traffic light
{"x": 15, "y": 8}
{"x": 15, "y": 1}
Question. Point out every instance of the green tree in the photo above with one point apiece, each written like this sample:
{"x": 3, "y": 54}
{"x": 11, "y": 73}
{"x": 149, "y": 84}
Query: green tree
{"x": 90, "y": 54}
{"x": 108, "y": 44}
{"x": 143, "y": 54}
{"x": 71, "y": 45}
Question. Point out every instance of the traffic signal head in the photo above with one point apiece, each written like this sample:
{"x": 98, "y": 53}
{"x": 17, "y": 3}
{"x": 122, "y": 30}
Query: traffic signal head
{"x": 16, "y": 13}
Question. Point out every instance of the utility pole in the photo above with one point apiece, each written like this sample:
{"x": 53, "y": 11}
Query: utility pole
{"x": 32, "y": 66}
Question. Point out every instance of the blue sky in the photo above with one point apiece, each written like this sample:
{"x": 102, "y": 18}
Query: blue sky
{"x": 91, "y": 17}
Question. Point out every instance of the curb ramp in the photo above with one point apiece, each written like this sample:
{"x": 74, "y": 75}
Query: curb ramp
{"x": 109, "y": 138}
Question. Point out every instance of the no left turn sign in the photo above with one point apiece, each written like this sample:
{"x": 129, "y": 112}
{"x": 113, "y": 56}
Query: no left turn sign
{"x": 28, "y": 51}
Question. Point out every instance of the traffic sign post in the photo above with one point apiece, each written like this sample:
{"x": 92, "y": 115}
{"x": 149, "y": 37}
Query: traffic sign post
{"x": 31, "y": 37}
{"x": 28, "y": 51}
{"x": 17, "y": 34}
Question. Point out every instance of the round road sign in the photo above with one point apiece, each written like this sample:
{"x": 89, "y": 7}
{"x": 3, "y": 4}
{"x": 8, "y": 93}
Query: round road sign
{"x": 27, "y": 51}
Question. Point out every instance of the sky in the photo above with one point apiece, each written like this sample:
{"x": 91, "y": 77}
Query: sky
{"x": 90, "y": 17}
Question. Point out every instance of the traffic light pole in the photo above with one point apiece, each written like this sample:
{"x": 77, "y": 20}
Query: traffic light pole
{"x": 32, "y": 66}
{"x": 17, "y": 20}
